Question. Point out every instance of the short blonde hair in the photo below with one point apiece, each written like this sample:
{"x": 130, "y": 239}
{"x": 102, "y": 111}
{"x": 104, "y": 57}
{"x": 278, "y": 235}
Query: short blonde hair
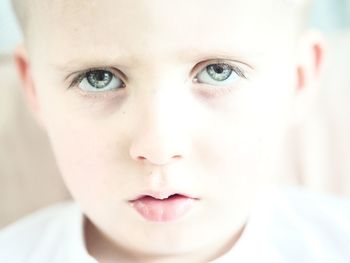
{"x": 24, "y": 10}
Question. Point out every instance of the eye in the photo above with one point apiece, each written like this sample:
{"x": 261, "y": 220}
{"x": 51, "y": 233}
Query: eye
{"x": 99, "y": 81}
{"x": 219, "y": 74}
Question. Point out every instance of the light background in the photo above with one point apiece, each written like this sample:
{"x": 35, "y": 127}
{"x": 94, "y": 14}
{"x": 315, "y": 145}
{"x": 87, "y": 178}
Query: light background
{"x": 329, "y": 15}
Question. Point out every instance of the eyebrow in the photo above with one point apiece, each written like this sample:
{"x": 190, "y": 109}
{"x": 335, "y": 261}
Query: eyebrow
{"x": 124, "y": 62}
{"x": 224, "y": 54}
{"x": 95, "y": 62}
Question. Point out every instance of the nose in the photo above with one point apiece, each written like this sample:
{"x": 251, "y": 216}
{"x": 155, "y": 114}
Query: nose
{"x": 160, "y": 136}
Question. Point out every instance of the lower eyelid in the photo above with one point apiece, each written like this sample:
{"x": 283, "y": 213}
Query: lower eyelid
{"x": 109, "y": 94}
{"x": 208, "y": 92}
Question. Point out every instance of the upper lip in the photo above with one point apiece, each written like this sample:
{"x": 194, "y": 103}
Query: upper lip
{"x": 161, "y": 194}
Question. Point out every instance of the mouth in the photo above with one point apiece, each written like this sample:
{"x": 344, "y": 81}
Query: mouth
{"x": 163, "y": 207}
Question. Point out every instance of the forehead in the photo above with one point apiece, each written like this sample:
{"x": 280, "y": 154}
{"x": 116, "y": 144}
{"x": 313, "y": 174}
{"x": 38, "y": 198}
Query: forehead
{"x": 151, "y": 27}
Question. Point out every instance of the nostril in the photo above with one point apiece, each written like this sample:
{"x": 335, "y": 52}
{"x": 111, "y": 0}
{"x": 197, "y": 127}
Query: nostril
{"x": 141, "y": 158}
{"x": 160, "y": 160}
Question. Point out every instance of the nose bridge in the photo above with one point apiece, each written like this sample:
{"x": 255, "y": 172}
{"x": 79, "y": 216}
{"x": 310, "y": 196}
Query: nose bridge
{"x": 160, "y": 135}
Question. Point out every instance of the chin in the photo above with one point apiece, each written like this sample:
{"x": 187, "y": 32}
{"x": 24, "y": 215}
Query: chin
{"x": 181, "y": 247}
{"x": 166, "y": 242}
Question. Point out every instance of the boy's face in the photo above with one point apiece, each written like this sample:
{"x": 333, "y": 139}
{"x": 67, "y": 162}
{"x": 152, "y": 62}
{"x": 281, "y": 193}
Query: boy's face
{"x": 193, "y": 97}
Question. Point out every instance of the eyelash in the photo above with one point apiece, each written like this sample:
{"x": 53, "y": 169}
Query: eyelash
{"x": 76, "y": 80}
{"x": 236, "y": 69}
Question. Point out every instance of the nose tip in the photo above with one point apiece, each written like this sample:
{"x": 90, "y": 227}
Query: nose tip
{"x": 160, "y": 134}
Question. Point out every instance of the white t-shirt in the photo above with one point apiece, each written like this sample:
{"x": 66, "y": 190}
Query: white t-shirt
{"x": 287, "y": 225}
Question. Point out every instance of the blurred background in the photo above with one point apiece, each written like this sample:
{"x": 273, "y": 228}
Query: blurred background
{"x": 319, "y": 150}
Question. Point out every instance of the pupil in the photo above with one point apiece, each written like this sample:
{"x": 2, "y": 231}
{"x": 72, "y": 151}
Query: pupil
{"x": 100, "y": 76}
{"x": 219, "y": 72}
{"x": 218, "y": 69}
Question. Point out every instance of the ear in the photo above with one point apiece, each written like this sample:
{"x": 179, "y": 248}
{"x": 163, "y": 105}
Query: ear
{"x": 23, "y": 67}
{"x": 310, "y": 59}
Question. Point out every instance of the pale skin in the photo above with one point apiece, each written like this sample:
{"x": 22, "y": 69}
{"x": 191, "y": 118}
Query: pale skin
{"x": 166, "y": 127}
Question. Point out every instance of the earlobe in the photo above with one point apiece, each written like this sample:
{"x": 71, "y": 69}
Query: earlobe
{"x": 23, "y": 67}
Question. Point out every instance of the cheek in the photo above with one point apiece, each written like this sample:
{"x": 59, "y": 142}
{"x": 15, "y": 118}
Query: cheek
{"x": 232, "y": 158}
{"x": 239, "y": 146}
{"x": 87, "y": 149}
{"x": 81, "y": 157}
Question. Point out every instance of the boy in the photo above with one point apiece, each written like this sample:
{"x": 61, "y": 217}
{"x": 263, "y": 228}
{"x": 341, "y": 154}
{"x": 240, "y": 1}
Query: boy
{"x": 165, "y": 118}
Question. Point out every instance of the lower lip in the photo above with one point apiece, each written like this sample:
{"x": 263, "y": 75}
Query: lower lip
{"x": 165, "y": 210}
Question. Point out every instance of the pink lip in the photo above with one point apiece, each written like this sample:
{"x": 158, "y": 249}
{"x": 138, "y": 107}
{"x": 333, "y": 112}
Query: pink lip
{"x": 162, "y": 207}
